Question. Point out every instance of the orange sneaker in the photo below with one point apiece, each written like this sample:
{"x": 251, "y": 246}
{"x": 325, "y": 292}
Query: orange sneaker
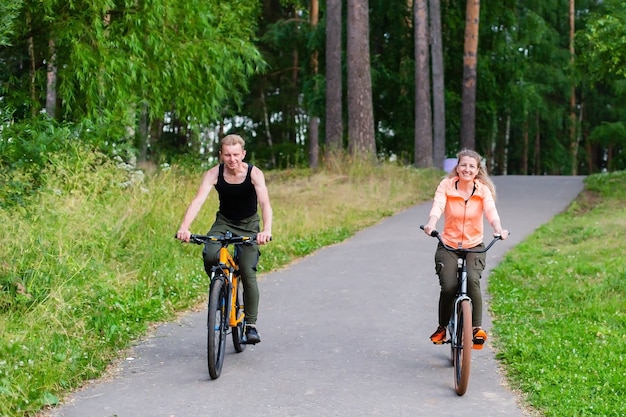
{"x": 480, "y": 337}
{"x": 439, "y": 336}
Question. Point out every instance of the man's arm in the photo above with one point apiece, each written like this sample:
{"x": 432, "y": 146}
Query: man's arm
{"x": 208, "y": 181}
{"x": 263, "y": 197}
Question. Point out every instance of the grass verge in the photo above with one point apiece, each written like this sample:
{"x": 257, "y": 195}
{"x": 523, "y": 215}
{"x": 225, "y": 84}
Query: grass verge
{"x": 558, "y": 301}
{"x": 90, "y": 262}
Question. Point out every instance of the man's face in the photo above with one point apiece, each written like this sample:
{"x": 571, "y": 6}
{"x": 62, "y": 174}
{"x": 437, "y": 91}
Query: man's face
{"x": 232, "y": 155}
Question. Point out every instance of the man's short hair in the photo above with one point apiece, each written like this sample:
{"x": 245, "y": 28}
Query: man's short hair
{"x": 233, "y": 139}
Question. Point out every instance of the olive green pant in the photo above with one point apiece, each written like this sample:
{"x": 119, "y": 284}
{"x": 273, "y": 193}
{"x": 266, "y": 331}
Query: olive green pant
{"x": 446, "y": 268}
{"x": 247, "y": 255}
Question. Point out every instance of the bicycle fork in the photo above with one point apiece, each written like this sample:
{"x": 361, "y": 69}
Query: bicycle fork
{"x": 462, "y": 296}
{"x": 225, "y": 307}
{"x": 229, "y": 312}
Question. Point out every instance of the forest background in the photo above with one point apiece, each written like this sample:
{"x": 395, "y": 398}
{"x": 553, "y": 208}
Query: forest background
{"x": 160, "y": 81}
{"x": 95, "y": 95}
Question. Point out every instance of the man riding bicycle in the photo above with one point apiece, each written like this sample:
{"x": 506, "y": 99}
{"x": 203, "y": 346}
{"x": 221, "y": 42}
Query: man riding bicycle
{"x": 241, "y": 188}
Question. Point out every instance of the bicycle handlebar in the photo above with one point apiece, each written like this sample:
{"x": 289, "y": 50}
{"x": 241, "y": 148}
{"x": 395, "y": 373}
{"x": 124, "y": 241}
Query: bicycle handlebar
{"x": 226, "y": 239}
{"x": 435, "y": 233}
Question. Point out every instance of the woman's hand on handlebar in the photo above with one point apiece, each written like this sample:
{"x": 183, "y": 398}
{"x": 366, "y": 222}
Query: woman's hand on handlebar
{"x": 428, "y": 229}
{"x": 503, "y": 234}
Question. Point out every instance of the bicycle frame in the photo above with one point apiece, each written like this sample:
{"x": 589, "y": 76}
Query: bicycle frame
{"x": 230, "y": 269}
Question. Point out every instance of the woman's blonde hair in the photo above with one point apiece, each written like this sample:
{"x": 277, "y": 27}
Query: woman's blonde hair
{"x": 482, "y": 175}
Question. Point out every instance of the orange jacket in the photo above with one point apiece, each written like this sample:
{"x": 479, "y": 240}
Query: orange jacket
{"x": 463, "y": 225}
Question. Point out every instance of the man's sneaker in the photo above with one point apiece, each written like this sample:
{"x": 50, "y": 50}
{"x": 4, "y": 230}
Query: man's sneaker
{"x": 480, "y": 337}
{"x": 252, "y": 336}
{"x": 439, "y": 336}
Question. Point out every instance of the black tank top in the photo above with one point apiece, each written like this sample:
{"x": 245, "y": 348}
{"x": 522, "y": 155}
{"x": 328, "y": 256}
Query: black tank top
{"x": 237, "y": 201}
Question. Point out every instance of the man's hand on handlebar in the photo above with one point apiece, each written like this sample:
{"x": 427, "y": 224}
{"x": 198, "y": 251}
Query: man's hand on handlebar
{"x": 184, "y": 235}
{"x": 263, "y": 237}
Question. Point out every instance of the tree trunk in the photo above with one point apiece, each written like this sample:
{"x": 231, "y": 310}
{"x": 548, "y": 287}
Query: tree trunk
{"x": 314, "y": 120}
{"x": 505, "y": 148}
{"x": 143, "y": 129}
{"x": 500, "y": 143}
{"x": 423, "y": 116}
{"x": 334, "y": 106}
{"x": 268, "y": 131}
{"x": 31, "y": 55}
{"x": 492, "y": 145}
{"x": 537, "y": 156}
{"x": 573, "y": 119}
{"x": 361, "y": 139}
{"x": 51, "y": 86}
{"x": 439, "y": 103}
{"x": 470, "y": 58}
{"x": 155, "y": 127}
{"x": 525, "y": 147}
{"x": 294, "y": 105}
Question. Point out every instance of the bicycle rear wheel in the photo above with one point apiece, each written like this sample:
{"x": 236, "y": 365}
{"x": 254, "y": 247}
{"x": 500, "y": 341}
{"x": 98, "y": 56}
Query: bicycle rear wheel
{"x": 462, "y": 347}
{"x": 238, "y": 332}
{"x": 217, "y": 326}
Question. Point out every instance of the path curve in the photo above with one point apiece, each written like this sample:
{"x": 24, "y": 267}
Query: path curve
{"x": 345, "y": 333}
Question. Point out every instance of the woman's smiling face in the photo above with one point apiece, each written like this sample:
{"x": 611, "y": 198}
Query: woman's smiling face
{"x": 467, "y": 168}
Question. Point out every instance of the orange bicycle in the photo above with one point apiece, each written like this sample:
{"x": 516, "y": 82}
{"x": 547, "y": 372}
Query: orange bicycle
{"x": 225, "y": 305}
{"x": 460, "y": 324}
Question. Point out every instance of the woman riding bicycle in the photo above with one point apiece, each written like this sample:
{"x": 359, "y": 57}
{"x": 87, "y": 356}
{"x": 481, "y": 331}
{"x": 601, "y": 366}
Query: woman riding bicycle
{"x": 463, "y": 197}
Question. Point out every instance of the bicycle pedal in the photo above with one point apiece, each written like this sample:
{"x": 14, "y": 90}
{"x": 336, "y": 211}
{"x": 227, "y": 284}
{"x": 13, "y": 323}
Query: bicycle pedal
{"x": 478, "y": 344}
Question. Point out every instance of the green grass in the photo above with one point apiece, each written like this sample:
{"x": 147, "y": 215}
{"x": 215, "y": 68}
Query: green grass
{"x": 559, "y": 306}
{"x": 89, "y": 264}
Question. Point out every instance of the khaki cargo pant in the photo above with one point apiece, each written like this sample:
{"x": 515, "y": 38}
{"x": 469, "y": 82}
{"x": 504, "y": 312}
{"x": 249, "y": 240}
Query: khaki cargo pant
{"x": 248, "y": 258}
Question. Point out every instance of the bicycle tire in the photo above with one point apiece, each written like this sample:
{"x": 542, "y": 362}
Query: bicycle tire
{"x": 238, "y": 332}
{"x": 217, "y": 326}
{"x": 463, "y": 348}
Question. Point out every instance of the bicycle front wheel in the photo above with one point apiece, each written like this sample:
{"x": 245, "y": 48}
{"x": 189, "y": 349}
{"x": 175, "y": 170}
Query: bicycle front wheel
{"x": 462, "y": 347}
{"x": 217, "y": 326}
{"x": 238, "y": 332}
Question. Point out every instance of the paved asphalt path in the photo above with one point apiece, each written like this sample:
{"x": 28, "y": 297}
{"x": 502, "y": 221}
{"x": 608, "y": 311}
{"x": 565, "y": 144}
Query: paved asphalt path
{"x": 344, "y": 333}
